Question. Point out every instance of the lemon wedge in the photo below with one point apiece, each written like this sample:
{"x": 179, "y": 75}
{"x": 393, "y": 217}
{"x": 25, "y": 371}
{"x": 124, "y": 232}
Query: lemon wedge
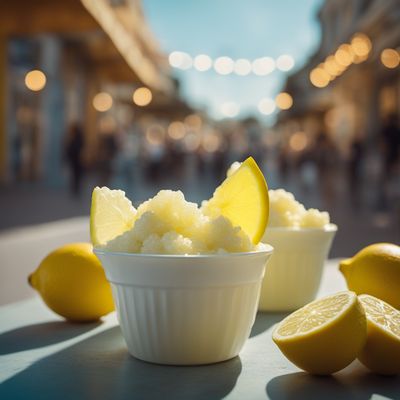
{"x": 243, "y": 199}
{"x": 111, "y": 214}
{"x": 381, "y": 353}
{"x": 324, "y": 336}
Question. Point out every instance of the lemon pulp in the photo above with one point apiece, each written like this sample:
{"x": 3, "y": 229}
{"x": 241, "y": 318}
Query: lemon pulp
{"x": 111, "y": 214}
{"x": 381, "y": 353}
{"x": 324, "y": 336}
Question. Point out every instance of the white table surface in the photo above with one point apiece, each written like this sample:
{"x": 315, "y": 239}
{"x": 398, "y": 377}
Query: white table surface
{"x": 43, "y": 357}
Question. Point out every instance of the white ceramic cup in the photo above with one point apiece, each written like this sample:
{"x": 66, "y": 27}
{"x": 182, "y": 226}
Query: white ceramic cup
{"x": 185, "y": 310}
{"x": 295, "y": 269}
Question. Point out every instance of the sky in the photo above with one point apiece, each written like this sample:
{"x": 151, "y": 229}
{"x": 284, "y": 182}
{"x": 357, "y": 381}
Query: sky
{"x": 238, "y": 29}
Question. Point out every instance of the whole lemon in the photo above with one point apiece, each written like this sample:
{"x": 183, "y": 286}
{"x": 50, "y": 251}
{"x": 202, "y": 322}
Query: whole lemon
{"x": 71, "y": 281}
{"x": 375, "y": 270}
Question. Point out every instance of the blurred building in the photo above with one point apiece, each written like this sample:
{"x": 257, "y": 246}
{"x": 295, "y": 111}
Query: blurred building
{"x": 74, "y": 61}
{"x": 351, "y": 84}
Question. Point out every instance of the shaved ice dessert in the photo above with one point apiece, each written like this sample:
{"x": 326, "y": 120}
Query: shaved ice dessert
{"x": 168, "y": 224}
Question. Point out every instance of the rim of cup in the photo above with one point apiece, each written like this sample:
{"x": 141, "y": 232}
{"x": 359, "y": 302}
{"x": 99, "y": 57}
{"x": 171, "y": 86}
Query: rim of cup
{"x": 268, "y": 249}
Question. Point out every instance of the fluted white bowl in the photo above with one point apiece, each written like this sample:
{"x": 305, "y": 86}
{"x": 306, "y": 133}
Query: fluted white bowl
{"x": 185, "y": 310}
{"x": 295, "y": 269}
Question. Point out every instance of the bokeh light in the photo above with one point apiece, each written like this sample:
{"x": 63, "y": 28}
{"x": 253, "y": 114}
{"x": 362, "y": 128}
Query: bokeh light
{"x": 298, "y": 141}
{"x": 284, "y": 101}
{"x": 193, "y": 121}
{"x": 224, "y": 65}
{"x": 202, "y": 62}
{"x": 102, "y": 102}
{"x": 176, "y": 130}
{"x": 266, "y": 106}
{"x": 230, "y": 109}
{"x": 142, "y": 96}
{"x": 332, "y": 67}
{"x": 344, "y": 55}
{"x": 390, "y": 58}
{"x": 319, "y": 77}
{"x": 35, "y": 80}
{"x": 180, "y": 59}
{"x": 361, "y": 45}
{"x": 211, "y": 142}
{"x": 242, "y": 67}
{"x": 285, "y": 62}
{"x": 263, "y": 66}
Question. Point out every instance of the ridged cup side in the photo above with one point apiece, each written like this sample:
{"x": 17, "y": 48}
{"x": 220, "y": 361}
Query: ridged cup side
{"x": 186, "y": 326}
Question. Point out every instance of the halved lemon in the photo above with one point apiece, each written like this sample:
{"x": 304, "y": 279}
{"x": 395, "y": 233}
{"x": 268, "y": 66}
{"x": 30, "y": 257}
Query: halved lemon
{"x": 111, "y": 214}
{"x": 381, "y": 353}
{"x": 324, "y": 336}
{"x": 243, "y": 199}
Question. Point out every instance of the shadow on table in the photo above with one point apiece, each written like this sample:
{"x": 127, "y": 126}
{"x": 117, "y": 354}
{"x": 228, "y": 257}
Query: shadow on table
{"x": 101, "y": 368}
{"x": 40, "y": 335}
{"x": 359, "y": 385}
{"x": 265, "y": 320}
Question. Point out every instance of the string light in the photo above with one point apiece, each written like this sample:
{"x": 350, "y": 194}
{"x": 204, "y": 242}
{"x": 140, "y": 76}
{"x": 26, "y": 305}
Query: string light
{"x": 390, "y": 58}
{"x": 202, "y": 62}
{"x": 180, "y": 59}
{"x": 284, "y": 101}
{"x": 263, "y": 66}
{"x": 242, "y": 67}
{"x": 319, "y": 77}
{"x": 285, "y": 62}
{"x": 223, "y": 65}
{"x": 226, "y": 65}
{"x": 346, "y": 54}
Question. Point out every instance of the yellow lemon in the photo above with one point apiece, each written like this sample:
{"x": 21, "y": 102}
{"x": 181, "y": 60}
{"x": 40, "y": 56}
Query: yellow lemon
{"x": 71, "y": 281}
{"x": 381, "y": 352}
{"x": 324, "y": 336}
{"x": 243, "y": 199}
{"x": 375, "y": 270}
{"x": 111, "y": 214}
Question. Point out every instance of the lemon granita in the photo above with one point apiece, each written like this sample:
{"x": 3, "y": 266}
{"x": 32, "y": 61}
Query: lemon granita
{"x": 232, "y": 221}
{"x": 286, "y": 211}
{"x": 168, "y": 224}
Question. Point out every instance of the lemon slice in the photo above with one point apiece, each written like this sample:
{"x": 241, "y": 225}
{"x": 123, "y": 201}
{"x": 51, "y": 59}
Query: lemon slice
{"x": 324, "y": 336}
{"x": 111, "y": 214}
{"x": 381, "y": 353}
{"x": 243, "y": 199}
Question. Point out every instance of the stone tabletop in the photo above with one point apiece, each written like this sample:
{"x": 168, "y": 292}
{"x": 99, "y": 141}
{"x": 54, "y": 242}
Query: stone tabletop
{"x": 43, "y": 357}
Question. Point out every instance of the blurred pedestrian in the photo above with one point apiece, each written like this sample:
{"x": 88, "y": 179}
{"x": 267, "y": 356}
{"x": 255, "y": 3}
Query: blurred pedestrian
{"x": 108, "y": 149}
{"x": 354, "y": 171}
{"x": 391, "y": 145}
{"x": 73, "y": 155}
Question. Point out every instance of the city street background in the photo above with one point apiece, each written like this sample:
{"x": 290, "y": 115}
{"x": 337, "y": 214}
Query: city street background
{"x": 144, "y": 96}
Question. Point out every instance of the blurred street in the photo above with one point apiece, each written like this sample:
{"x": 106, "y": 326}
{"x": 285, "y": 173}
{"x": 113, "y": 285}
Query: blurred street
{"x": 139, "y": 96}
